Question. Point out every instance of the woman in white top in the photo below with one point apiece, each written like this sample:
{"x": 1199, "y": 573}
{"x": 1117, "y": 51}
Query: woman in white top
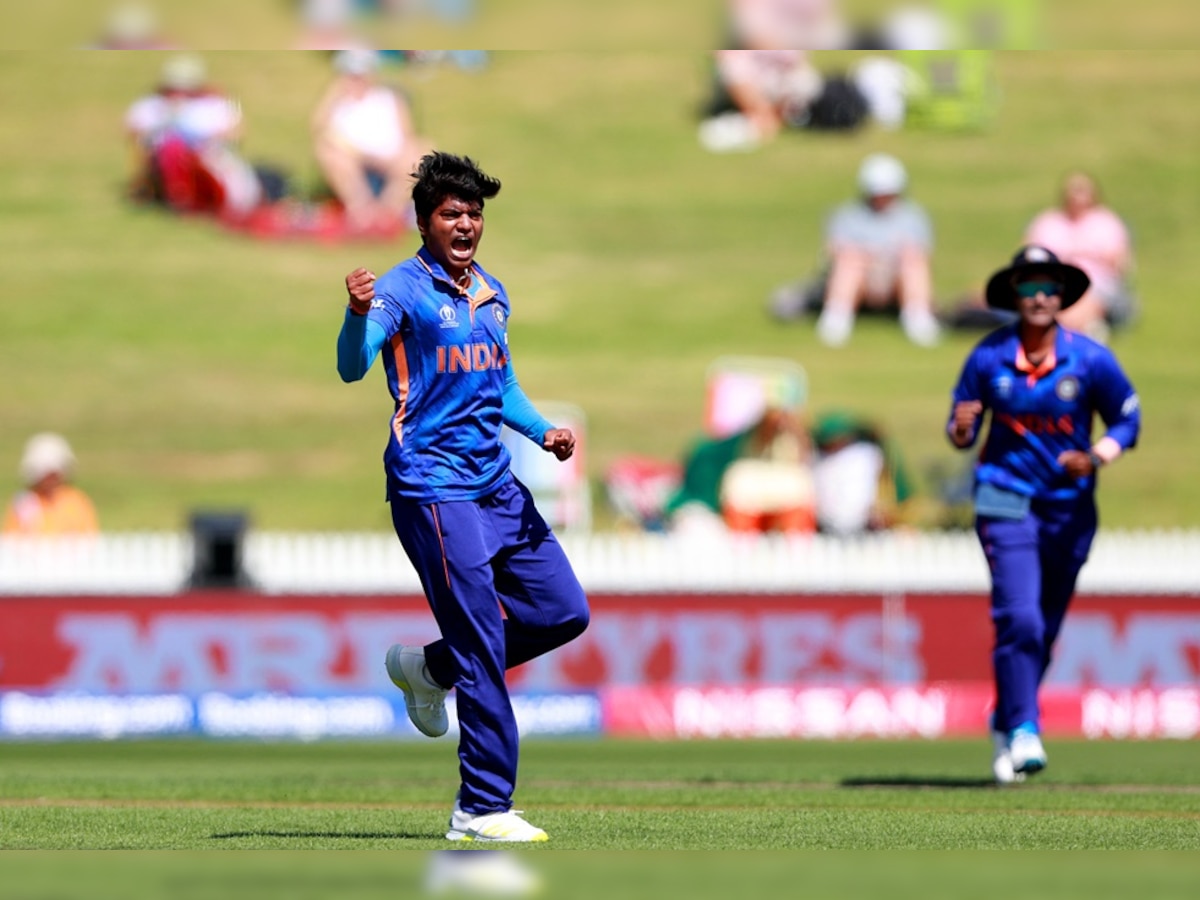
{"x": 363, "y": 136}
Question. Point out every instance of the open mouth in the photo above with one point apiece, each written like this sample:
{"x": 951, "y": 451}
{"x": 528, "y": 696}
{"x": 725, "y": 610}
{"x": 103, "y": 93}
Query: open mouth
{"x": 462, "y": 244}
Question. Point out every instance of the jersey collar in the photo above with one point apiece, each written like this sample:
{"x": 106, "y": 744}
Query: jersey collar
{"x": 478, "y": 291}
{"x": 1063, "y": 340}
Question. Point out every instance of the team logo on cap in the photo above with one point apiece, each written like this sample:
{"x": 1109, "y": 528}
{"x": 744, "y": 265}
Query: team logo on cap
{"x": 1067, "y": 388}
{"x": 1037, "y": 255}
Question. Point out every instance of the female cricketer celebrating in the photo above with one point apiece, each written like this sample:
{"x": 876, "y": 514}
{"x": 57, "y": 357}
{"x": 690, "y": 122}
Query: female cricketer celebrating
{"x": 468, "y": 526}
{"x": 1035, "y": 480}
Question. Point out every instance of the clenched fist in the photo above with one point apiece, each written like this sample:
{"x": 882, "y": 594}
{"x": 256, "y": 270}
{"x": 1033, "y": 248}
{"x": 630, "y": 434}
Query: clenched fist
{"x": 360, "y": 284}
{"x": 963, "y": 426}
{"x": 560, "y": 442}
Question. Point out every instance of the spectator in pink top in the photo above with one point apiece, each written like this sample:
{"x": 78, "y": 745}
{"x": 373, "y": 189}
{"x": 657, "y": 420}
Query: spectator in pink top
{"x": 1085, "y": 233}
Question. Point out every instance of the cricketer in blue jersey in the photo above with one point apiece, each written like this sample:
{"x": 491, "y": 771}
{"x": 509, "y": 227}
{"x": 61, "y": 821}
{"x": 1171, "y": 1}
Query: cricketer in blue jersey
{"x": 469, "y": 527}
{"x": 1035, "y": 481}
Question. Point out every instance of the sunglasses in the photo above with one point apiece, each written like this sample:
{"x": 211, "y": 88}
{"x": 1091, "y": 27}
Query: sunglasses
{"x": 1033, "y": 288}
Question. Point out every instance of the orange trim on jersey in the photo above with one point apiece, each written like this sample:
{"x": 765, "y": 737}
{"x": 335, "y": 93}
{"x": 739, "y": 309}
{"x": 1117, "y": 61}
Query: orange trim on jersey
{"x": 1035, "y": 372}
{"x": 402, "y": 385}
{"x": 437, "y": 524}
{"x": 1013, "y": 423}
{"x": 482, "y": 295}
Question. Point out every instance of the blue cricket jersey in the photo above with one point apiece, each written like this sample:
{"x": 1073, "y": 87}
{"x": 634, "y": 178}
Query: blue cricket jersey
{"x": 445, "y": 353}
{"x": 1037, "y": 412}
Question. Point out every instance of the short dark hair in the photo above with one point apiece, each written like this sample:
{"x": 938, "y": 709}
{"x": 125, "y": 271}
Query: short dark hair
{"x": 442, "y": 175}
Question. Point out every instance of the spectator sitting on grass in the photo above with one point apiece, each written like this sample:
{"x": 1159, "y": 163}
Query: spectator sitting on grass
{"x": 365, "y": 143}
{"x": 184, "y": 136}
{"x": 879, "y": 249}
{"x": 1083, "y": 232}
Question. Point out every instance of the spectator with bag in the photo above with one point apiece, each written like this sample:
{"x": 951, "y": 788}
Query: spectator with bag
{"x": 766, "y": 82}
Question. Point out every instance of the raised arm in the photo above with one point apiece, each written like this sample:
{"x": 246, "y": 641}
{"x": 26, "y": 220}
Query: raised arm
{"x": 360, "y": 339}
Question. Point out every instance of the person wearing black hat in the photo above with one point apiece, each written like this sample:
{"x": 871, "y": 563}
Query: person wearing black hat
{"x": 1035, "y": 481}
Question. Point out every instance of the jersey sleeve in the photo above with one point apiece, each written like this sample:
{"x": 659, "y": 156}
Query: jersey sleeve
{"x": 358, "y": 344}
{"x": 970, "y": 386}
{"x": 1116, "y": 400}
{"x": 519, "y": 413}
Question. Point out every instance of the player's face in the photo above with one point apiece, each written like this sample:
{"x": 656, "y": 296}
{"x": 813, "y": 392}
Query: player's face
{"x": 452, "y": 233}
{"x": 1039, "y": 299}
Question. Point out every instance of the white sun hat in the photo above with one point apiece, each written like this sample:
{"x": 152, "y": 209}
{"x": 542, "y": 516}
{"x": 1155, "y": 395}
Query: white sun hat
{"x": 881, "y": 174}
{"x": 45, "y": 454}
{"x": 184, "y": 72}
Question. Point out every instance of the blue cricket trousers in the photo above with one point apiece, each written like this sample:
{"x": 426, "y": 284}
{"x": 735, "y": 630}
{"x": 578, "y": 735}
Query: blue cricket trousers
{"x": 474, "y": 558}
{"x": 1034, "y": 563}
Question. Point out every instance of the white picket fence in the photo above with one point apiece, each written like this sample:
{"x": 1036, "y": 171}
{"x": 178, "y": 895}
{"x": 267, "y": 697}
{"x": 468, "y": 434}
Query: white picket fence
{"x": 1166, "y": 562}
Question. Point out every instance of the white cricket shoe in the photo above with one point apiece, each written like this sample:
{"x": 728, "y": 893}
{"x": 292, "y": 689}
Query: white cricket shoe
{"x": 1025, "y": 747}
{"x": 1002, "y": 764}
{"x": 729, "y": 133}
{"x": 508, "y": 827}
{"x": 834, "y": 327}
{"x": 425, "y": 699}
{"x": 921, "y": 328}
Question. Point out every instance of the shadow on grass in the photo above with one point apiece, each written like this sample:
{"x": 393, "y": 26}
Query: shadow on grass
{"x": 916, "y": 781}
{"x": 340, "y": 835}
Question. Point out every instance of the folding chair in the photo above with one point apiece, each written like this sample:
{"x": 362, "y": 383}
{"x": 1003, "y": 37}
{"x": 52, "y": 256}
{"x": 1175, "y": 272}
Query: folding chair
{"x": 741, "y": 388}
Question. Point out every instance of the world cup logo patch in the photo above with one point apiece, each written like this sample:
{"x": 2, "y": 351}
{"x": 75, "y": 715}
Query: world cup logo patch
{"x": 1067, "y": 388}
{"x": 499, "y": 314}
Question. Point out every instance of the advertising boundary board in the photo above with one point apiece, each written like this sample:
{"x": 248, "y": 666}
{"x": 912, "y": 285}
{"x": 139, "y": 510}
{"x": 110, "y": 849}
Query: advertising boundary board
{"x": 931, "y": 711}
{"x": 245, "y": 643}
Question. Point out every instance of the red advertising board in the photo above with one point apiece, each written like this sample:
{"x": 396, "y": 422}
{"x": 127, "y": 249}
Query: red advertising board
{"x": 940, "y": 709}
{"x": 231, "y": 641}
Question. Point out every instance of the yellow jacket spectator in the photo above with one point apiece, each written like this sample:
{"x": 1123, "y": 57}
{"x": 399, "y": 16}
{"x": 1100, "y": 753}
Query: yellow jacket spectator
{"x": 49, "y": 504}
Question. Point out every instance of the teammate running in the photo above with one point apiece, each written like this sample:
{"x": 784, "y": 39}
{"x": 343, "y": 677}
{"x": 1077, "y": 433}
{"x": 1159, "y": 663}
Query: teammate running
{"x": 1036, "y": 478}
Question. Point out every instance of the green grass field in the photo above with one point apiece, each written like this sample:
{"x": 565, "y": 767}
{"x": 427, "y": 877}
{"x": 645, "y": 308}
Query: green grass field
{"x": 627, "y": 819}
{"x": 191, "y": 367}
{"x": 590, "y": 795}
